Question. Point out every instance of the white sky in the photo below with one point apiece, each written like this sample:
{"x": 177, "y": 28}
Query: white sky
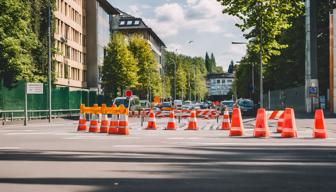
{"x": 179, "y": 21}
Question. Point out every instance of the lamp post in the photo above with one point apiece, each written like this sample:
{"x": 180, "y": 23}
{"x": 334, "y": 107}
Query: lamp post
{"x": 49, "y": 61}
{"x": 261, "y": 75}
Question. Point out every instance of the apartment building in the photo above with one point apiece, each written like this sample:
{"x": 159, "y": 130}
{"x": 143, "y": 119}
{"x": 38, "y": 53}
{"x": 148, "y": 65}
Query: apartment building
{"x": 70, "y": 43}
{"x": 130, "y": 25}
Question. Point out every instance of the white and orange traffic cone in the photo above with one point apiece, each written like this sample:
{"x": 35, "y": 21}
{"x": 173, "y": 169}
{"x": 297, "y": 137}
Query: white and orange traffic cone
{"x": 151, "y": 121}
{"x": 261, "y": 126}
{"x": 82, "y": 119}
{"x": 192, "y": 125}
{"x": 104, "y": 124}
{"x": 226, "y": 120}
{"x": 237, "y": 127}
{"x": 171, "y": 123}
{"x": 114, "y": 123}
{"x": 123, "y": 121}
{"x": 94, "y": 119}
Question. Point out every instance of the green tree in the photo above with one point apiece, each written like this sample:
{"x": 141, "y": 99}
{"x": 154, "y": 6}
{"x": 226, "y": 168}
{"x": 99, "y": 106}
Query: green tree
{"x": 269, "y": 17}
{"x": 213, "y": 64}
{"x": 230, "y": 69}
{"x": 208, "y": 63}
{"x": 148, "y": 73}
{"x": 120, "y": 68}
{"x": 17, "y": 42}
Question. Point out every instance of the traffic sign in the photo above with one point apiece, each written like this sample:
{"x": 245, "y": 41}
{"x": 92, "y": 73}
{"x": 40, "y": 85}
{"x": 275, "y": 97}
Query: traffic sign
{"x": 128, "y": 93}
{"x": 34, "y": 88}
{"x": 312, "y": 91}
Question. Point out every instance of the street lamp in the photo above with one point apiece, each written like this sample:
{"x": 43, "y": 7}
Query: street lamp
{"x": 261, "y": 75}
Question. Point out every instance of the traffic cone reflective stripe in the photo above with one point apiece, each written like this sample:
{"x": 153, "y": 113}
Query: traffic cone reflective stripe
{"x": 237, "y": 127}
{"x": 319, "y": 130}
{"x": 226, "y": 120}
{"x": 171, "y": 122}
{"x": 192, "y": 125}
{"x": 114, "y": 123}
{"x": 261, "y": 127}
{"x": 123, "y": 124}
{"x": 280, "y": 122}
{"x": 289, "y": 128}
{"x": 94, "y": 124}
{"x": 104, "y": 125}
{"x": 82, "y": 122}
{"x": 152, "y": 121}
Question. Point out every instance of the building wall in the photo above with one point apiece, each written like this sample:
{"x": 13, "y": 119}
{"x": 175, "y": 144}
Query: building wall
{"x": 70, "y": 41}
{"x": 219, "y": 86}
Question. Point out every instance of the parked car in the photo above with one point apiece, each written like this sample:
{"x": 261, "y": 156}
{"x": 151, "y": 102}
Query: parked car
{"x": 246, "y": 107}
{"x": 178, "y": 104}
{"x": 226, "y": 103}
{"x": 132, "y": 103}
{"x": 197, "y": 106}
{"x": 187, "y": 105}
{"x": 204, "y": 105}
{"x": 166, "y": 106}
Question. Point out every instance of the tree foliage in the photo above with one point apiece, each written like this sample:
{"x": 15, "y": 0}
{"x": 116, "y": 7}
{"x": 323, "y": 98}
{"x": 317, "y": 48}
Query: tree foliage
{"x": 188, "y": 71}
{"x": 120, "y": 67}
{"x": 17, "y": 43}
{"x": 148, "y": 73}
{"x": 269, "y": 17}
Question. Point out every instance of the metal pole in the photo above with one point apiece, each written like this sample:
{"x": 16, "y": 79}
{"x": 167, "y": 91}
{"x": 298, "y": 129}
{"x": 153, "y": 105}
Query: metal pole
{"x": 189, "y": 86}
{"x": 195, "y": 82}
{"x": 269, "y": 99}
{"x": 261, "y": 67}
{"x": 49, "y": 61}
{"x": 174, "y": 80}
{"x": 25, "y": 106}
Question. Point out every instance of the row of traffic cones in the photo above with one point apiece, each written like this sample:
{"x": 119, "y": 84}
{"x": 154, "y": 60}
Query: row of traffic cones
{"x": 286, "y": 124}
{"x": 171, "y": 125}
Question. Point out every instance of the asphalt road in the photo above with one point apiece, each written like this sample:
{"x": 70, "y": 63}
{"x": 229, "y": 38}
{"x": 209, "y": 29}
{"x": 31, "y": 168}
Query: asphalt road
{"x": 42, "y": 157}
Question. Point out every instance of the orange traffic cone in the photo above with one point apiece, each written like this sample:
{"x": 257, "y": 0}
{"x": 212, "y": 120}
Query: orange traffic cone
{"x": 280, "y": 122}
{"x": 104, "y": 124}
{"x": 123, "y": 122}
{"x": 226, "y": 120}
{"x": 171, "y": 122}
{"x": 319, "y": 125}
{"x": 192, "y": 121}
{"x": 94, "y": 124}
{"x": 82, "y": 122}
{"x": 237, "y": 127}
{"x": 152, "y": 121}
{"x": 289, "y": 128}
{"x": 261, "y": 127}
{"x": 113, "y": 129}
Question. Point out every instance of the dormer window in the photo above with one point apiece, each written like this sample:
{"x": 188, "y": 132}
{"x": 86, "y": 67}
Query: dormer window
{"x": 122, "y": 23}
{"x": 129, "y": 22}
{"x": 136, "y": 22}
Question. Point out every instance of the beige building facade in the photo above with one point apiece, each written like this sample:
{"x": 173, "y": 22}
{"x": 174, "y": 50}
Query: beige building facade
{"x": 70, "y": 43}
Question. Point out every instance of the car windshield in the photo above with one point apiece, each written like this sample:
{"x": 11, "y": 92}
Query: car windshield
{"x": 187, "y": 103}
{"x": 118, "y": 102}
{"x": 246, "y": 103}
{"x": 166, "y": 105}
{"x": 228, "y": 103}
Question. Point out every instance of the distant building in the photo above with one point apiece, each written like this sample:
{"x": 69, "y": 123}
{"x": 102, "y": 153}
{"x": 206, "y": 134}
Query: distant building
{"x": 219, "y": 85}
{"x": 130, "y": 25}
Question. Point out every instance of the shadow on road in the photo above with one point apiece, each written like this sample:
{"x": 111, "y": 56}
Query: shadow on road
{"x": 200, "y": 168}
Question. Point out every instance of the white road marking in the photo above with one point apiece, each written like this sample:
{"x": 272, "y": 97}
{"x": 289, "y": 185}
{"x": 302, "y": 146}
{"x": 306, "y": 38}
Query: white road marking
{"x": 9, "y": 148}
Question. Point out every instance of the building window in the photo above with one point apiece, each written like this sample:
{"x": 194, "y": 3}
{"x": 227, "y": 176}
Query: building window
{"x": 122, "y": 23}
{"x": 136, "y": 22}
{"x": 218, "y": 81}
{"x": 223, "y": 81}
{"x": 129, "y": 22}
